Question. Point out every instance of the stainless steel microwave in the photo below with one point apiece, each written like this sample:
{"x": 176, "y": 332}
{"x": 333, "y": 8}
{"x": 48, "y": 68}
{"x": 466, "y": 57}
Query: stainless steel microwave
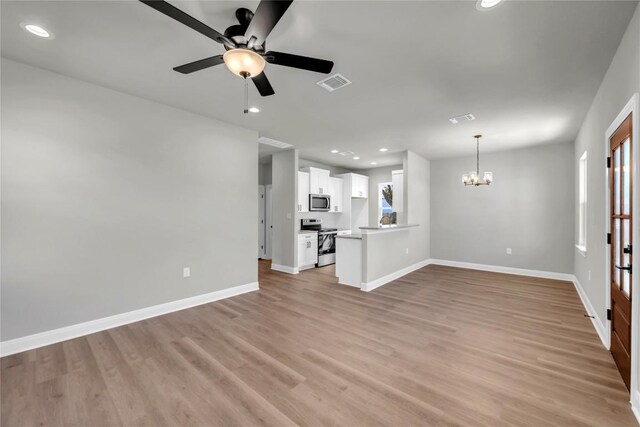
{"x": 319, "y": 203}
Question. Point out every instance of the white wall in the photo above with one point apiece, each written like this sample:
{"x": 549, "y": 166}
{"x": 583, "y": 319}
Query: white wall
{"x": 106, "y": 197}
{"x": 264, "y": 173}
{"x": 528, "y": 208}
{"x": 388, "y": 252}
{"x": 618, "y": 86}
{"x": 417, "y": 200}
{"x": 377, "y": 176}
{"x": 284, "y": 209}
{"x": 334, "y": 170}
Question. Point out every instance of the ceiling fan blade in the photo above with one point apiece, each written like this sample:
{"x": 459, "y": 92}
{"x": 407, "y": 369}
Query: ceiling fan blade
{"x": 188, "y": 20}
{"x": 297, "y": 61}
{"x": 199, "y": 65}
{"x": 262, "y": 84}
{"x": 265, "y": 19}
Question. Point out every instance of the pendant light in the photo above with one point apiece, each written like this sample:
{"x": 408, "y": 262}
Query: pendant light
{"x": 473, "y": 177}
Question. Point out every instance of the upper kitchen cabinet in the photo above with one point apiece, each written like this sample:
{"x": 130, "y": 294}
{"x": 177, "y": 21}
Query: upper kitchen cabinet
{"x": 318, "y": 180}
{"x": 303, "y": 192}
{"x": 359, "y": 186}
{"x": 356, "y": 186}
{"x": 336, "y": 192}
{"x": 397, "y": 179}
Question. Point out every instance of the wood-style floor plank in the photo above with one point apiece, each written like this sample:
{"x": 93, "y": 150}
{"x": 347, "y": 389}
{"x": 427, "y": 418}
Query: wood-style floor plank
{"x": 441, "y": 346}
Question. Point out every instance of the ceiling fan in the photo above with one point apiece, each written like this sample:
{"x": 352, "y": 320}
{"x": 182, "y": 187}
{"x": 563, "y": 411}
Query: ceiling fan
{"x": 245, "y": 43}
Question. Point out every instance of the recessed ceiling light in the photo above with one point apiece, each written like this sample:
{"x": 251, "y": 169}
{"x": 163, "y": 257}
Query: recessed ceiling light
{"x": 383, "y": 149}
{"x": 374, "y": 163}
{"x": 487, "y": 4}
{"x": 356, "y": 158}
{"x": 335, "y": 151}
{"x": 37, "y": 30}
{"x": 254, "y": 110}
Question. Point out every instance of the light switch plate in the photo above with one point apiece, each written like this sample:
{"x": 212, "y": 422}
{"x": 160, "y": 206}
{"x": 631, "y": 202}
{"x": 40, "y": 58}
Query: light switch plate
{"x": 186, "y": 272}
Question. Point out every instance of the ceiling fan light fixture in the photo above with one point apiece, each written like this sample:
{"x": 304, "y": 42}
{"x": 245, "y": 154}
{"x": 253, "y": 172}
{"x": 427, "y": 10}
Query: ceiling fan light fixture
{"x": 244, "y": 62}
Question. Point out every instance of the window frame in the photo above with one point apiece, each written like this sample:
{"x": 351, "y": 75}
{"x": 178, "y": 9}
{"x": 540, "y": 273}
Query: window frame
{"x": 381, "y": 185}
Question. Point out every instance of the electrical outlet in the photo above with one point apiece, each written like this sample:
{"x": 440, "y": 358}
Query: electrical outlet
{"x": 508, "y": 251}
{"x": 186, "y": 272}
{"x": 407, "y": 251}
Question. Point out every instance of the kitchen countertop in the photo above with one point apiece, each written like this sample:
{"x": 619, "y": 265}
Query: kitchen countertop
{"x": 350, "y": 236}
{"x": 386, "y": 228}
{"x": 307, "y": 232}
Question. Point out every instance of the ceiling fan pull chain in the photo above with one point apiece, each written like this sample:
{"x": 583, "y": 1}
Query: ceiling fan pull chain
{"x": 246, "y": 96}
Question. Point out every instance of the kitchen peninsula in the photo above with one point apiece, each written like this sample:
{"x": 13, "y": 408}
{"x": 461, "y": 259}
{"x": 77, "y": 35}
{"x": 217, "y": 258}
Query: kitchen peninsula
{"x": 366, "y": 260}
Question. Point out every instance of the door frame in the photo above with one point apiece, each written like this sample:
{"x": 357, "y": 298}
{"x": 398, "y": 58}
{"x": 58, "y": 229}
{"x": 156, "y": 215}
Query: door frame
{"x": 632, "y": 107}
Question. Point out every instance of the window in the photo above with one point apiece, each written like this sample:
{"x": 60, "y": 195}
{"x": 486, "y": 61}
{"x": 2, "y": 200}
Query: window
{"x": 582, "y": 204}
{"x": 386, "y": 215}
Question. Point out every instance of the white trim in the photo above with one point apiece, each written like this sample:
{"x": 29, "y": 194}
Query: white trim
{"x": 284, "y": 268}
{"x": 635, "y": 405}
{"x": 632, "y": 107}
{"x": 369, "y": 286}
{"x": 507, "y": 270}
{"x": 595, "y": 319}
{"x": 582, "y": 250}
{"x": 53, "y": 336}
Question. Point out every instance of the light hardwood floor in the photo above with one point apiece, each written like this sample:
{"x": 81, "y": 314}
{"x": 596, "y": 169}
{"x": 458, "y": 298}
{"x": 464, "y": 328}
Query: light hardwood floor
{"x": 440, "y": 346}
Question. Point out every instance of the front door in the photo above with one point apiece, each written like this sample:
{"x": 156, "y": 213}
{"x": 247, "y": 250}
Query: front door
{"x": 621, "y": 247}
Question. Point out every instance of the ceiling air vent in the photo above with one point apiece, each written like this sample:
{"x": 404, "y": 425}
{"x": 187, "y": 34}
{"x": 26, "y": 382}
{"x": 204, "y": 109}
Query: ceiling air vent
{"x": 273, "y": 142}
{"x": 455, "y": 120}
{"x": 334, "y": 82}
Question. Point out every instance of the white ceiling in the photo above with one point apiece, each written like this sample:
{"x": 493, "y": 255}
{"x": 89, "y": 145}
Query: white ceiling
{"x": 528, "y": 70}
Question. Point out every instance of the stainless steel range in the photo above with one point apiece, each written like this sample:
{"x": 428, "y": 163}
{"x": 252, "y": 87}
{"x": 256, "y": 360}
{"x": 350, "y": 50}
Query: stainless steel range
{"x": 326, "y": 240}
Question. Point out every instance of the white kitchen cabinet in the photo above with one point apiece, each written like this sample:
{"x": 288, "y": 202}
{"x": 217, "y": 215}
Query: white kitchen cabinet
{"x": 318, "y": 180}
{"x": 336, "y": 186}
{"x": 397, "y": 179}
{"x": 359, "y": 186}
{"x": 303, "y": 192}
{"x": 307, "y": 250}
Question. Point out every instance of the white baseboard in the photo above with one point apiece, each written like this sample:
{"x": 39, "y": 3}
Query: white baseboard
{"x": 507, "y": 270}
{"x": 597, "y": 322}
{"x": 284, "y": 268}
{"x": 41, "y": 339}
{"x": 635, "y": 405}
{"x": 369, "y": 286}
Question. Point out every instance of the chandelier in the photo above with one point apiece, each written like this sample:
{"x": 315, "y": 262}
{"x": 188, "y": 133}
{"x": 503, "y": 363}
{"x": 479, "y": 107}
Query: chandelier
{"x": 473, "y": 178}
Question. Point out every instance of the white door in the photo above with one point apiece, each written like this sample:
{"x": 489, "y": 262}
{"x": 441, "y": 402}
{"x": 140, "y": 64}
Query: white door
{"x": 336, "y": 191}
{"x": 269, "y": 222}
{"x": 303, "y": 192}
{"x": 261, "y": 221}
{"x": 318, "y": 181}
{"x": 323, "y": 181}
{"x": 359, "y": 186}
